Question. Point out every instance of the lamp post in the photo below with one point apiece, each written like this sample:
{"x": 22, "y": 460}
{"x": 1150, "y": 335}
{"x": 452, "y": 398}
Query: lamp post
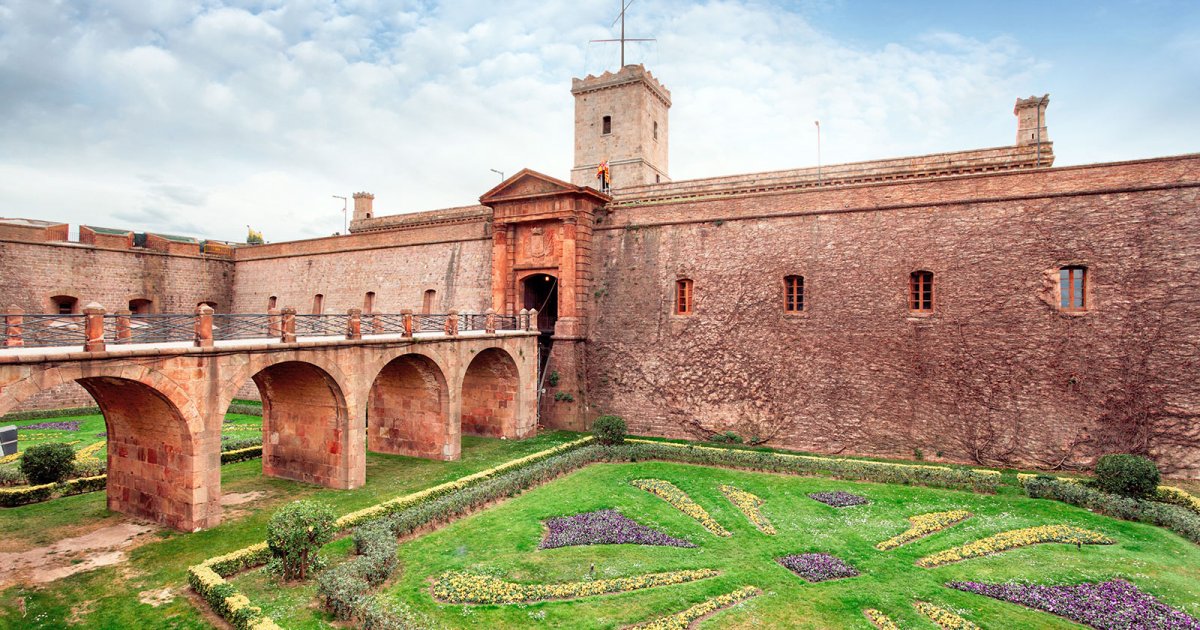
{"x": 345, "y": 218}
{"x": 500, "y": 173}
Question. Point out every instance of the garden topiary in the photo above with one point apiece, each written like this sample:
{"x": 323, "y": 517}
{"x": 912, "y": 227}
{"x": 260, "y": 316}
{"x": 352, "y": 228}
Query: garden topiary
{"x": 48, "y": 463}
{"x": 295, "y": 534}
{"x": 609, "y": 430}
{"x": 1127, "y": 475}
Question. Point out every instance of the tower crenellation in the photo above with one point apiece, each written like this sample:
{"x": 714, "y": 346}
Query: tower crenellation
{"x": 622, "y": 118}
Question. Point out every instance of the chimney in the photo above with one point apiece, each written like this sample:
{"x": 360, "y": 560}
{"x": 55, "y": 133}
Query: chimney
{"x": 1031, "y": 120}
{"x": 363, "y": 202}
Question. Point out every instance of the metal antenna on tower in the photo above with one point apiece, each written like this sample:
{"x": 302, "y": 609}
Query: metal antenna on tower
{"x": 621, "y": 18}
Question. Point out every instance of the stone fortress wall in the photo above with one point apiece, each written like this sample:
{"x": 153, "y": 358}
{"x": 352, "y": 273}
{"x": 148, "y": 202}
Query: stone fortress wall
{"x": 997, "y": 373}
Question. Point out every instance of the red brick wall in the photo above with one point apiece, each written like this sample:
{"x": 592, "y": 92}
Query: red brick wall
{"x": 996, "y": 374}
{"x": 398, "y": 266}
{"x": 33, "y": 272}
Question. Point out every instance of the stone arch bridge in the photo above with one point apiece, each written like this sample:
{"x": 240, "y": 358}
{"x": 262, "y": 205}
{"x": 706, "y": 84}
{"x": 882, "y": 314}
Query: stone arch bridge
{"x": 164, "y": 404}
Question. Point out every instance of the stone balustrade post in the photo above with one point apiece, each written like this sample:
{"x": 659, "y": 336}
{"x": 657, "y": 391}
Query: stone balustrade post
{"x": 288, "y": 334}
{"x": 274, "y": 325}
{"x": 532, "y": 323}
{"x": 124, "y": 326}
{"x": 354, "y": 324}
{"x": 204, "y": 326}
{"x": 451, "y": 328}
{"x": 13, "y": 320}
{"x": 93, "y": 328}
{"x": 489, "y": 321}
{"x": 523, "y": 319}
{"x": 408, "y": 322}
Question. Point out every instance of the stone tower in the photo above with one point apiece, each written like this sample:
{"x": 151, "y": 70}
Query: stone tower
{"x": 1031, "y": 120}
{"x": 363, "y": 202}
{"x": 621, "y": 118}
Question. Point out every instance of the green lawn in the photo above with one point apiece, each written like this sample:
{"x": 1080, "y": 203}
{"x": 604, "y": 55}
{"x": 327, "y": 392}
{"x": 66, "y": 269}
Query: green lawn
{"x": 503, "y": 541}
{"x": 109, "y": 597}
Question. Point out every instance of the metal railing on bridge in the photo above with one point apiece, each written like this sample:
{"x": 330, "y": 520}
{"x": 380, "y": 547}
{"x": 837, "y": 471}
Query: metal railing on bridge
{"x": 94, "y": 329}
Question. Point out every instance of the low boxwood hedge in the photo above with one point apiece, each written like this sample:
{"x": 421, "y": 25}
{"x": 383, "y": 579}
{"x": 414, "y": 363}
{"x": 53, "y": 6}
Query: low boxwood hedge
{"x": 1178, "y": 519}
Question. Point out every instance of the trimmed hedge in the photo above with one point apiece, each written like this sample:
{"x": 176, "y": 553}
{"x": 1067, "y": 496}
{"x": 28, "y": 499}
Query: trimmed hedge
{"x": 241, "y": 454}
{"x": 1177, "y": 519}
{"x": 208, "y": 580}
{"x": 849, "y": 469}
{"x": 38, "y": 414}
{"x": 12, "y": 497}
{"x": 246, "y": 410}
{"x": 609, "y": 430}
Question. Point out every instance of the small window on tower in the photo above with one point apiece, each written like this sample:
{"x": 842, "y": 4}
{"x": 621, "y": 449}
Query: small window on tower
{"x": 607, "y": 125}
{"x": 793, "y": 294}
{"x": 920, "y": 292}
{"x": 656, "y": 130}
{"x": 271, "y": 302}
{"x": 427, "y": 301}
{"x": 683, "y": 297}
{"x": 64, "y": 304}
{"x": 369, "y": 302}
{"x": 318, "y": 304}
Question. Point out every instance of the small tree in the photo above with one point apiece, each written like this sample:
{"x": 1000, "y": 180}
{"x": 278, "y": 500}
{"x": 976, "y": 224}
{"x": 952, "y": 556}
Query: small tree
{"x": 609, "y": 430}
{"x": 295, "y": 534}
{"x": 48, "y": 463}
{"x": 1128, "y": 475}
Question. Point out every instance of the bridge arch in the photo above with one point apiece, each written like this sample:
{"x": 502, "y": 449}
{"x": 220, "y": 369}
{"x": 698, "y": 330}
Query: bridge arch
{"x": 157, "y": 468}
{"x": 490, "y": 394}
{"x": 306, "y": 424}
{"x": 409, "y": 411}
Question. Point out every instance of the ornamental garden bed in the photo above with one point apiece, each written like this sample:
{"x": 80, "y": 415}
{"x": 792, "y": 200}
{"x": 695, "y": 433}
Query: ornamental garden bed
{"x": 494, "y": 555}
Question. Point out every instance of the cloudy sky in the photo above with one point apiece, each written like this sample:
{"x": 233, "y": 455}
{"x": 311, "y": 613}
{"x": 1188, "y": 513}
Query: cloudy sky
{"x": 201, "y": 117}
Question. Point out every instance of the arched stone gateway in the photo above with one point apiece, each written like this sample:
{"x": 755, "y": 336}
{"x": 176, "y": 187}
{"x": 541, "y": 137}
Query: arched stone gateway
{"x": 305, "y": 423}
{"x": 490, "y": 391}
{"x": 409, "y": 410}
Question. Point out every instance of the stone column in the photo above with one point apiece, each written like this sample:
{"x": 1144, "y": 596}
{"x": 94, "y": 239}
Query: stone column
{"x": 13, "y": 320}
{"x": 567, "y": 282}
{"x": 408, "y": 322}
{"x": 354, "y": 325}
{"x": 204, "y": 326}
{"x": 274, "y": 326}
{"x": 499, "y": 266}
{"x": 452, "y": 323}
{"x": 289, "y": 325}
{"x": 523, "y": 319}
{"x": 124, "y": 326}
{"x": 531, "y": 322}
{"x": 93, "y": 328}
{"x": 489, "y": 321}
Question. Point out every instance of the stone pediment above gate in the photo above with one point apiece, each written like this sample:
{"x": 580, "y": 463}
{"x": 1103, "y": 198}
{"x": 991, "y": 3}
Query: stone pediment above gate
{"x": 532, "y": 196}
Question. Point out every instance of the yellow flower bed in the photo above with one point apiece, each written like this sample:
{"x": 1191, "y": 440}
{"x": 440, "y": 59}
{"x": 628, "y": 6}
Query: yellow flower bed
{"x": 1014, "y": 539}
{"x": 88, "y": 453}
{"x": 924, "y": 525}
{"x": 684, "y": 619}
{"x": 457, "y": 587}
{"x": 880, "y": 620}
{"x": 667, "y": 491}
{"x": 749, "y": 505}
{"x": 8, "y": 459}
{"x": 1182, "y": 496}
{"x": 944, "y": 618}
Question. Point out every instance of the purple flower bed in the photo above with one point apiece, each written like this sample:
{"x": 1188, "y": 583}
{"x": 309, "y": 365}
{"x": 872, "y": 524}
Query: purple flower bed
{"x": 72, "y": 425}
{"x": 817, "y": 567}
{"x": 1105, "y": 605}
{"x": 838, "y": 499}
{"x": 604, "y": 527}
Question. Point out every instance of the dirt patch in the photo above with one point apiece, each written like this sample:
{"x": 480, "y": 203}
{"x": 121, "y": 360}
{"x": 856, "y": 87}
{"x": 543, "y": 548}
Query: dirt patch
{"x": 102, "y": 547}
{"x": 238, "y": 498}
{"x": 81, "y": 610}
{"x": 158, "y": 597}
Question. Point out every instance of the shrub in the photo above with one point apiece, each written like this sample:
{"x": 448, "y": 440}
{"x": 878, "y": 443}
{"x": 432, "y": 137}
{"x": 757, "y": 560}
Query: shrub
{"x": 48, "y": 463}
{"x": 728, "y": 437}
{"x": 1127, "y": 475}
{"x": 296, "y": 533}
{"x": 12, "y": 497}
{"x": 241, "y": 455}
{"x": 236, "y": 444}
{"x": 609, "y": 430}
{"x": 10, "y": 475}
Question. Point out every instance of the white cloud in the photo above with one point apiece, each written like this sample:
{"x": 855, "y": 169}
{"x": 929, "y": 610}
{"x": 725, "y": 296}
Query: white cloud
{"x": 205, "y": 116}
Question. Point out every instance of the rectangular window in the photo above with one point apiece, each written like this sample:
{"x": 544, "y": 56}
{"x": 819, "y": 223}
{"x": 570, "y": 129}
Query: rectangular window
{"x": 369, "y": 302}
{"x": 793, "y": 298}
{"x": 318, "y": 304}
{"x": 606, "y": 125}
{"x": 1072, "y": 284}
{"x": 683, "y": 297}
{"x": 920, "y": 294}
